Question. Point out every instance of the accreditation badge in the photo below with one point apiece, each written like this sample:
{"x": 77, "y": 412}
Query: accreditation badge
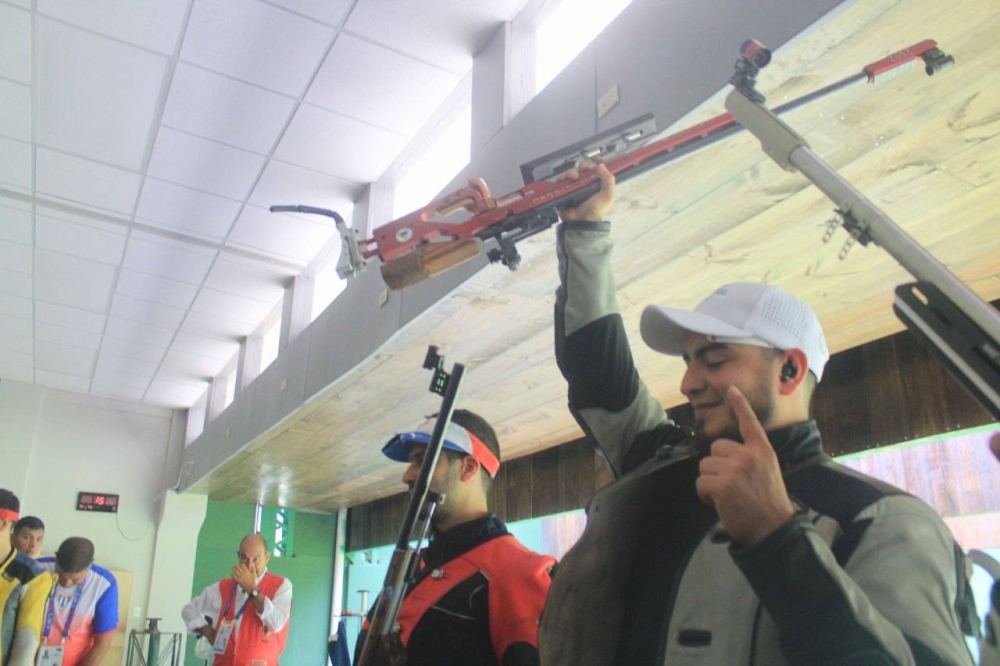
{"x": 49, "y": 655}
{"x": 222, "y": 636}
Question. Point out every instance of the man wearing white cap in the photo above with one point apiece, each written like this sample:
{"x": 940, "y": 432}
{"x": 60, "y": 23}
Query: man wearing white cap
{"x": 743, "y": 543}
{"x": 479, "y": 593}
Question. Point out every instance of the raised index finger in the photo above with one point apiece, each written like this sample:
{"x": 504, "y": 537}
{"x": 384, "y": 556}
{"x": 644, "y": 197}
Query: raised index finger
{"x": 750, "y": 427}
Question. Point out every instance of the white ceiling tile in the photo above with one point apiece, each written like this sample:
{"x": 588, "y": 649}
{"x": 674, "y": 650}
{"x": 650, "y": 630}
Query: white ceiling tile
{"x": 14, "y": 283}
{"x": 446, "y": 34}
{"x": 73, "y": 337}
{"x": 68, "y": 317}
{"x": 15, "y": 47}
{"x": 259, "y": 43}
{"x": 15, "y": 225}
{"x": 15, "y": 256}
{"x": 18, "y": 372}
{"x": 159, "y": 256}
{"x": 86, "y": 182}
{"x": 152, "y": 25}
{"x": 339, "y": 146}
{"x": 147, "y": 312}
{"x": 15, "y": 167}
{"x": 17, "y": 344}
{"x": 358, "y": 77}
{"x": 205, "y": 165}
{"x": 122, "y": 364}
{"x": 156, "y": 289}
{"x": 202, "y": 102}
{"x": 194, "y": 365}
{"x": 15, "y": 306}
{"x": 132, "y": 349}
{"x": 119, "y": 391}
{"x": 287, "y": 184}
{"x": 96, "y": 97}
{"x": 280, "y": 235}
{"x": 62, "y": 381}
{"x": 231, "y": 306}
{"x": 200, "y": 323}
{"x": 219, "y": 349}
{"x": 330, "y": 12}
{"x": 264, "y": 283}
{"x": 106, "y": 376}
{"x": 139, "y": 332}
{"x": 64, "y": 359}
{"x": 15, "y": 110}
{"x": 15, "y": 325}
{"x": 80, "y": 240}
{"x": 183, "y": 209}
{"x": 15, "y": 359}
{"x": 72, "y": 281}
{"x": 177, "y": 395}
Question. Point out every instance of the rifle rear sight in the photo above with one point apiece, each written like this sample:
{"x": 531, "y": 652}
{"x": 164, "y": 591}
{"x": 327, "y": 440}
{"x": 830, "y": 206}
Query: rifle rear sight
{"x": 435, "y": 362}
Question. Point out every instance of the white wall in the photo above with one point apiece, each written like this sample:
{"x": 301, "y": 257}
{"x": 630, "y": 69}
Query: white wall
{"x": 57, "y": 443}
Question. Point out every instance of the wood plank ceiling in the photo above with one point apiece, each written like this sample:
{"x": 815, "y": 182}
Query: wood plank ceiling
{"x": 927, "y": 150}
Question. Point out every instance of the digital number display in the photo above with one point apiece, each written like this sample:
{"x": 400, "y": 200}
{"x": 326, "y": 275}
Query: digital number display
{"x": 97, "y": 502}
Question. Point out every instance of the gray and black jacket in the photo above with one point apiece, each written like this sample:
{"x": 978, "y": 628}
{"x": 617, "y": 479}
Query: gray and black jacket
{"x": 864, "y": 574}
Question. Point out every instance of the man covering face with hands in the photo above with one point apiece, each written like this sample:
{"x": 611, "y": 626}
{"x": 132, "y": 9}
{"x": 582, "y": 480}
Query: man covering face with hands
{"x": 244, "y": 618}
{"x": 743, "y": 543}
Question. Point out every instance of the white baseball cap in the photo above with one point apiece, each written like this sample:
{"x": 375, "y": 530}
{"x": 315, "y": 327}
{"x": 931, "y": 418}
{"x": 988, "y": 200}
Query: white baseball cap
{"x": 741, "y": 313}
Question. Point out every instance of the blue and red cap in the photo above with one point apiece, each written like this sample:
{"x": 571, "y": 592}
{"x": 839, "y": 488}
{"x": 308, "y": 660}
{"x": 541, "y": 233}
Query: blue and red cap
{"x": 456, "y": 438}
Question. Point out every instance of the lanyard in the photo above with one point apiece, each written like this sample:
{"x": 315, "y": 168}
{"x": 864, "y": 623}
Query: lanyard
{"x": 52, "y": 610}
{"x": 229, "y": 604}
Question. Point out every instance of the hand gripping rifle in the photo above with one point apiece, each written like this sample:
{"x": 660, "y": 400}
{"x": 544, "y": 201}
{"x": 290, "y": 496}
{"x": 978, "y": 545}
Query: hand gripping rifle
{"x": 425, "y": 242}
{"x": 382, "y": 644}
{"x": 959, "y": 326}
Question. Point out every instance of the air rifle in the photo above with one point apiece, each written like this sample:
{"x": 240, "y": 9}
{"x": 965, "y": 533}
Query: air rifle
{"x": 382, "y": 645}
{"x": 425, "y": 242}
{"x": 943, "y": 312}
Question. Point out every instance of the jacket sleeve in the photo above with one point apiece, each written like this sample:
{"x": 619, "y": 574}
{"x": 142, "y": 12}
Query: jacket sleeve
{"x": 516, "y": 600}
{"x": 891, "y": 602}
{"x": 606, "y": 395}
{"x": 30, "y": 617}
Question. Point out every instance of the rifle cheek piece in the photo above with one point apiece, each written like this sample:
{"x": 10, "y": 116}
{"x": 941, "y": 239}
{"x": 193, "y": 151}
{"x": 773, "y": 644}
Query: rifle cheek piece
{"x": 428, "y": 260}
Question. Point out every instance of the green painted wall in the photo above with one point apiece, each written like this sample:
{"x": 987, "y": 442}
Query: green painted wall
{"x": 310, "y": 569}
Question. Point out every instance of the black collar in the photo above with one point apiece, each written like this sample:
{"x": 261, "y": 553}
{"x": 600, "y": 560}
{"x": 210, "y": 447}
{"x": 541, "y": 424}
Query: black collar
{"x": 796, "y": 443}
{"x": 446, "y": 546}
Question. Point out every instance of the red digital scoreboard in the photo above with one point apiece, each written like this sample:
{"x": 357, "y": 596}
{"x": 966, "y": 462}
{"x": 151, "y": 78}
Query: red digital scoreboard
{"x": 104, "y": 502}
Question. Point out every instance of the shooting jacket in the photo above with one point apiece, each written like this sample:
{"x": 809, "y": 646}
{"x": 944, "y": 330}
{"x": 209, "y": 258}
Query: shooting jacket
{"x": 477, "y": 600}
{"x": 863, "y": 574}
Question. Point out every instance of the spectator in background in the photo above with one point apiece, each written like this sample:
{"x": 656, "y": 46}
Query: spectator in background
{"x": 24, "y": 587}
{"x": 82, "y": 613}
{"x": 28, "y": 535}
{"x": 248, "y": 612}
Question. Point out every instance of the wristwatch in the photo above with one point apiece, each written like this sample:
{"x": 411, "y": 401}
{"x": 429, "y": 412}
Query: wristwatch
{"x": 254, "y": 593}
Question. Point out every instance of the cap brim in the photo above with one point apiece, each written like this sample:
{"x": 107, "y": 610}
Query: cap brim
{"x": 663, "y": 328}
{"x": 398, "y": 448}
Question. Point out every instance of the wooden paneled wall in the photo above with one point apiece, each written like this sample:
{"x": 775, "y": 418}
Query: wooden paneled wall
{"x": 888, "y": 391}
